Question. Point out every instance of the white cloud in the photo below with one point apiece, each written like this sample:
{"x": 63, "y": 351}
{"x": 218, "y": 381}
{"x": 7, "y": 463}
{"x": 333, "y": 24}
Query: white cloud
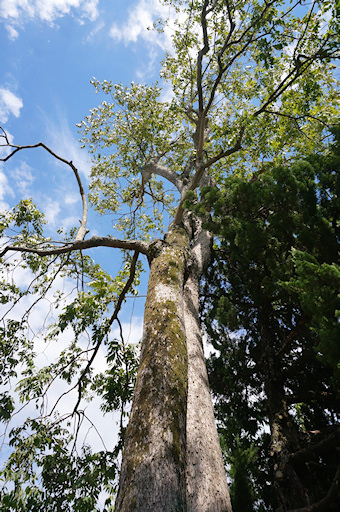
{"x": 71, "y": 198}
{"x": 22, "y": 178}
{"x": 71, "y": 221}
{"x": 46, "y": 353}
{"x": 140, "y": 20}
{"x": 47, "y": 10}
{"x": 90, "y": 9}
{"x": 12, "y": 32}
{"x": 63, "y": 141}
{"x": 5, "y": 190}
{"x": 96, "y": 30}
{"x": 51, "y": 210}
{"x": 9, "y": 104}
{"x": 167, "y": 93}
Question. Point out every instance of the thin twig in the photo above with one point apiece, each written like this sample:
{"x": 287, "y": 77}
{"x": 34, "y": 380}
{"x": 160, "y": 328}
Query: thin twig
{"x": 114, "y": 317}
{"x": 82, "y": 229}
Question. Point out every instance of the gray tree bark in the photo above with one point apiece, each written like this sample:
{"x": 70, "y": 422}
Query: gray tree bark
{"x": 206, "y": 484}
{"x": 172, "y": 460}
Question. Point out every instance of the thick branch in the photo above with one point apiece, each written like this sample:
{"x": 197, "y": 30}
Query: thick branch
{"x": 82, "y": 229}
{"x": 227, "y": 152}
{"x": 163, "y": 171}
{"x": 309, "y": 395}
{"x": 201, "y": 54}
{"x": 200, "y": 127}
{"x": 200, "y": 171}
{"x": 95, "y": 241}
{"x": 323, "y": 504}
{"x": 327, "y": 444}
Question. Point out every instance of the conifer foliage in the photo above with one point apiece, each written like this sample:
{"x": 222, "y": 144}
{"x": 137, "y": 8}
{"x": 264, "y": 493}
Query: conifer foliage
{"x": 271, "y": 307}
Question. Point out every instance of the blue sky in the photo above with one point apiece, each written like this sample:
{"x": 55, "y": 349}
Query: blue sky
{"x": 50, "y": 50}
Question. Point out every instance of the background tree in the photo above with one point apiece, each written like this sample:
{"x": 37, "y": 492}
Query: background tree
{"x": 249, "y": 80}
{"x": 271, "y": 306}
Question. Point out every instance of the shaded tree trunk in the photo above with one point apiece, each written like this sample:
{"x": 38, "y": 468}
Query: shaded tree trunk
{"x": 206, "y": 480}
{"x": 172, "y": 460}
{"x": 290, "y": 492}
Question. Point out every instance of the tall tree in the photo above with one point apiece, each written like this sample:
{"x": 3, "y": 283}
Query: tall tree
{"x": 274, "y": 285}
{"x": 249, "y": 81}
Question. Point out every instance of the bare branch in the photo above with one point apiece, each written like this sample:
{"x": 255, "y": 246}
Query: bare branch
{"x": 34, "y": 280}
{"x": 95, "y": 241}
{"x": 163, "y": 171}
{"x": 82, "y": 229}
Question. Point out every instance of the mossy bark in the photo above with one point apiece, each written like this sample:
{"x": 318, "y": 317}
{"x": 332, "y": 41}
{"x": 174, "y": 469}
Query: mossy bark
{"x": 172, "y": 460}
{"x": 153, "y": 467}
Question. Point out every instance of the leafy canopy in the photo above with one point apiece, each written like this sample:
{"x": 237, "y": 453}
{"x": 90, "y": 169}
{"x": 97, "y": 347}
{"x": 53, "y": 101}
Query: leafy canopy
{"x": 244, "y": 84}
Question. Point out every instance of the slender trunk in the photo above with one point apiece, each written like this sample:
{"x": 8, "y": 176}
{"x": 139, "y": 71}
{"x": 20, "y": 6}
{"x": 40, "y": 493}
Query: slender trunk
{"x": 207, "y": 489}
{"x": 167, "y": 466}
{"x": 290, "y": 492}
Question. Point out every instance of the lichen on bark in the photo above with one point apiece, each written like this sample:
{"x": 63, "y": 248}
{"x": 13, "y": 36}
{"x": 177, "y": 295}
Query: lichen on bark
{"x": 155, "y": 447}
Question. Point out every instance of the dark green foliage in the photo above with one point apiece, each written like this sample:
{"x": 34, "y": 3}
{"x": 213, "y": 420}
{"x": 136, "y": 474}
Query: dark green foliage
{"x": 242, "y": 460}
{"x": 271, "y": 306}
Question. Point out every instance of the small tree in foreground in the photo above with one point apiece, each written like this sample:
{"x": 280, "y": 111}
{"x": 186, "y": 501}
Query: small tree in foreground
{"x": 251, "y": 81}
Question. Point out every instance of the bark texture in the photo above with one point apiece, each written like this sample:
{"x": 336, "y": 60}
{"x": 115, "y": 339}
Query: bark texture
{"x": 153, "y": 467}
{"x": 172, "y": 460}
{"x": 207, "y": 489}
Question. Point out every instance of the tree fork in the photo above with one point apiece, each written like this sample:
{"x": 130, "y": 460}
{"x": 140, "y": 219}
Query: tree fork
{"x": 172, "y": 459}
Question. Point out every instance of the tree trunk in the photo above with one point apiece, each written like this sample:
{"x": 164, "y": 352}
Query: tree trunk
{"x": 207, "y": 489}
{"x": 290, "y": 492}
{"x": 167, "y": 466}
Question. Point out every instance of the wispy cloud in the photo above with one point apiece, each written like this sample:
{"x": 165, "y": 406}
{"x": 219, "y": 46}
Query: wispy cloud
{"x": 98, "y": 28}
{"x": 12, "y": 32}
{"x": 5, "y": 191}
{"x": 22, "y": 178}
{"x": 10, "y": 104}
{"x": 63, "y": 141}
{"x": 139, "y": 29}
{"x": 51, "y": 210}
